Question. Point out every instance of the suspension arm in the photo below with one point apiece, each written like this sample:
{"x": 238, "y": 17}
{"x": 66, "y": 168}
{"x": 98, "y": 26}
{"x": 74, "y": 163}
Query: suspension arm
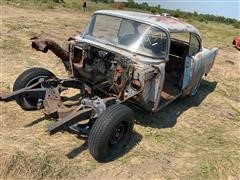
{"x": 71, "y": 119}
{"x": 25, "y": 91}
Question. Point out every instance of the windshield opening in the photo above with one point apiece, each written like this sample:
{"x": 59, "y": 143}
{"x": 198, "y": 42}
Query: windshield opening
{"x": 131, "y": 35}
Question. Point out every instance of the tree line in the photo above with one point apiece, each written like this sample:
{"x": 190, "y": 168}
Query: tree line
{"x": 176, "y": 13}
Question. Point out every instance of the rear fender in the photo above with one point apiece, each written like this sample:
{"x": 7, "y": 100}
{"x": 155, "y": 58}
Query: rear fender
{"x": 196, "y": 66}
{"x": 208, "y": 58}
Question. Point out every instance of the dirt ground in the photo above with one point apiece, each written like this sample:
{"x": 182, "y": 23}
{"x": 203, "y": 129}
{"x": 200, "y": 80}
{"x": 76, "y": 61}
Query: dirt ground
{"x": 193, "y": 138}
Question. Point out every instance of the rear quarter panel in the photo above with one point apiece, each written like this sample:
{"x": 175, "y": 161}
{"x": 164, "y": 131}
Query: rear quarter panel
{"x": 201, "y": 64}
{"x": 208, "y": 58}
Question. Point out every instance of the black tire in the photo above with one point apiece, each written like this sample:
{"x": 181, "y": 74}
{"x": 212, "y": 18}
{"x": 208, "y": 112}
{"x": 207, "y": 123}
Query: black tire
{"x": 28, "y": 78}
{"x": 111, "y": 133}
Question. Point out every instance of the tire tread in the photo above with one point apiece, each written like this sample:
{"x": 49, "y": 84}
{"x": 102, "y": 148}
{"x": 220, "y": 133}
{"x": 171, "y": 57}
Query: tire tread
{"x": 23, "y": 79}
{"x": 103, "y": 123}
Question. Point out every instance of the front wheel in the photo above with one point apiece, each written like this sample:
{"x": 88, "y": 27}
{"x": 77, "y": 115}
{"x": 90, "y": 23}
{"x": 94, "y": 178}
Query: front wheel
{"x": 28, "y": 78}
{"x": 111, "y": 133}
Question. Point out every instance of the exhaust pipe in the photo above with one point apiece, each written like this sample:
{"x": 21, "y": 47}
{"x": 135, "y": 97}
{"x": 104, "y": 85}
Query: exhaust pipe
{"x": 40, "y": 46}
{"x": 47, "y": 44}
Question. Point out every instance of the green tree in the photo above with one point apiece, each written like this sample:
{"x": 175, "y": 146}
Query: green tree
{"x": 153, "y": 10}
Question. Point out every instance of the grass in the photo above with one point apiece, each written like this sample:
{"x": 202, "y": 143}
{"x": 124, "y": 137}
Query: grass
{"x": 215, "y": 167}
{"x": 208, "y": 169}
{"x": 75, "y": 5}
{"x": 236, "y": 115}
{"x": 36, "y": 166}
{"x": 11, "y": 45}
{"x": 193, "y": 138}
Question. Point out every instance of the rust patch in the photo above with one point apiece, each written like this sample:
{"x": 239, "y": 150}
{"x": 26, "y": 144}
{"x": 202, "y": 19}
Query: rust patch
{"x": 166, "y": 19}
{"x": 47, "y": 44}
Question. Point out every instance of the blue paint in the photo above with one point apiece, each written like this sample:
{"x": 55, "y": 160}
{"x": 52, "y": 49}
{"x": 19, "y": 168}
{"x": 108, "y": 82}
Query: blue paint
{"x": 187, "y": 72}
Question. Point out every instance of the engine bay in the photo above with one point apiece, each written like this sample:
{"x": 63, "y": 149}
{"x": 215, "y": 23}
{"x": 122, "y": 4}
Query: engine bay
{"x": 110, "y": 71}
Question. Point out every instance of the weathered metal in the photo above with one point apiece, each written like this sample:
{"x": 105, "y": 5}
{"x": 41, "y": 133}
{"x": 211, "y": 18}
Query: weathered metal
{"x": 106, "y": 73}
{"x": 21, "y": 92}
{"x": 236, "y": 42}
{"x": 72, "y": 118}
{"x": 168, "y": 23}
{"x": 47, "y": 44}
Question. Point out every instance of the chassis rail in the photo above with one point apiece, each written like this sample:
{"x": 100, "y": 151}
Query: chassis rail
{"x": 51, "y": 101}
{"x": 69, "y": 120}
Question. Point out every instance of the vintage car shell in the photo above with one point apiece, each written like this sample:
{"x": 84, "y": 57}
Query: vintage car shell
{"x": 168, "y": 24}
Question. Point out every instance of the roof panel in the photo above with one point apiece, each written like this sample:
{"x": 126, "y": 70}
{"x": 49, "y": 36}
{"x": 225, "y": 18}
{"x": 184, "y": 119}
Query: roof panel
{"x": 169, "y": 23}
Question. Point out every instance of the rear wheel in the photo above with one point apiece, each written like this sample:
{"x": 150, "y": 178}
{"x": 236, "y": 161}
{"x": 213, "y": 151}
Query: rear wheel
{"x": 28, "y": 78}
{"x": 111, "y": 133}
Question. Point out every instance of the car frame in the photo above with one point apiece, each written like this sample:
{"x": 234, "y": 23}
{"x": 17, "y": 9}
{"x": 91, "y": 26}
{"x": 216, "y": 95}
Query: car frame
{"x": 143, "y": 64}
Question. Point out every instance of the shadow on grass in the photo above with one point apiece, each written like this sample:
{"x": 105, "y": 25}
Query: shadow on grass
{"x": 136, "y": 138}
{"x": 167, "y": 117}
{"x": 76, "y": 151}
{"x": 35, "y": 122}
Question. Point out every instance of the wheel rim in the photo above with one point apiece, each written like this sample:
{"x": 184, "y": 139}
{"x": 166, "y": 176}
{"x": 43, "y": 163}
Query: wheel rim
{"x": 31, "y": 99}
{"x": 118, "y": 134}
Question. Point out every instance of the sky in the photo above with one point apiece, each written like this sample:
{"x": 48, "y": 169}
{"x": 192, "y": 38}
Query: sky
{"x": 226, "y": 8}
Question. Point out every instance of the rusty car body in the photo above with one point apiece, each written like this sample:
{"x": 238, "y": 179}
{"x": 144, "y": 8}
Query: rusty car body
{"x": 236, "y": 42}
{"x": 123, "y": 59}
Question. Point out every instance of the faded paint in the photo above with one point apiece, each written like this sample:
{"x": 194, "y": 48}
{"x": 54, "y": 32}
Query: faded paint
{"x": 133, "y": 56}
{"x": 201, "y": 64}
{"x": 106, "y": 74}
{"x": 147, "y": 73}
{"x": 236, "y": 42}
{"x": 168, "y": 23}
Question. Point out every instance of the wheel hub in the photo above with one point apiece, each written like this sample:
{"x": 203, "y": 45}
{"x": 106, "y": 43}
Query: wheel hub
{"x": 117, "y": 134}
